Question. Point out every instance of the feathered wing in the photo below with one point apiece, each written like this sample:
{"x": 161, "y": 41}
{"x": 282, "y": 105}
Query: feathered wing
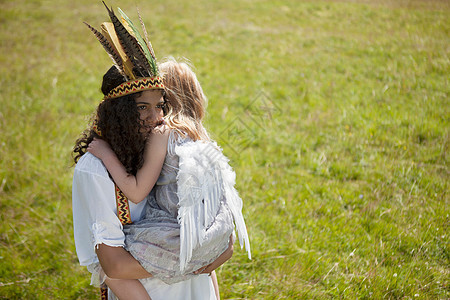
{"x": 197, "y": 204}
{"x": 234, "y": 202}
{"x": 204, "y": 180}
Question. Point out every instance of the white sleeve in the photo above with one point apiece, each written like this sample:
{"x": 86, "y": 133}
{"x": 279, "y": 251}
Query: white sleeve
{"x": 94, "y": 212}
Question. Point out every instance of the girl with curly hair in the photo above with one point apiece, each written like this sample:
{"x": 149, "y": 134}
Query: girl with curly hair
{"x": 178, "y": 154}
{"x": 126, "y": 124}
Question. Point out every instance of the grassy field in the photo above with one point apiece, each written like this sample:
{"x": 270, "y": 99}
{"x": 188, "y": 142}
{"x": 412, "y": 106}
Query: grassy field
{"x": 335, "y": 115}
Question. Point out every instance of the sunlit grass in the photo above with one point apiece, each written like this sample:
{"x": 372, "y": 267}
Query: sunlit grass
{"x": 335, "y": 115}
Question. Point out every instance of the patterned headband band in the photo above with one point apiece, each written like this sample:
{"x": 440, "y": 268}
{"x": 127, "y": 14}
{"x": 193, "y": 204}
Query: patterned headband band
{"x": 135, "y": 86}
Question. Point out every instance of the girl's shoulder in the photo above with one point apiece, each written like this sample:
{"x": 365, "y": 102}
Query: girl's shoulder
{"x": 176, "y": 138}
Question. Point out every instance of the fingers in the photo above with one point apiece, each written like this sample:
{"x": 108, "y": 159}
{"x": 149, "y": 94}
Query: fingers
{"x": 208, "y": 270}
{"x": 199, "y": 271}
{"x": 204, "y": 270}
{"x": 94, "y": 145}
{"x": 91, "y": 145}
{"x": 161, "y": 128}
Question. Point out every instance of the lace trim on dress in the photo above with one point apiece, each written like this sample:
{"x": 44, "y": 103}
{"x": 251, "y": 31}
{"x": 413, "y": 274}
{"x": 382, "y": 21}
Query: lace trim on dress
{"x": 98, "y": 276}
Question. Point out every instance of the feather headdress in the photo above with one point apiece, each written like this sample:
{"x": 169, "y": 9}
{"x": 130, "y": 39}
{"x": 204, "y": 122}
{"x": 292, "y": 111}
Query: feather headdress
{"x": 132, "y": 55}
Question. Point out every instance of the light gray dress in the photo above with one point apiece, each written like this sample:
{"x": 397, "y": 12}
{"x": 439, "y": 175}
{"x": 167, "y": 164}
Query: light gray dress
{"x": 202, "y": 222}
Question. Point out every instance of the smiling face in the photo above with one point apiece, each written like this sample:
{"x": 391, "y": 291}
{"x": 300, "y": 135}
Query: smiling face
{"x": 150, "y": 106}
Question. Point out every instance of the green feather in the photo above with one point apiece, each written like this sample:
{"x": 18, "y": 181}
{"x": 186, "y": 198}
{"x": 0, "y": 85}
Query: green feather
{"x": 141, "y": 42}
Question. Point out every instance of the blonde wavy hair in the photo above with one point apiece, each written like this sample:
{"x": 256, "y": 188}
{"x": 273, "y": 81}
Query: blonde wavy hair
{"x": 185, "y": 98}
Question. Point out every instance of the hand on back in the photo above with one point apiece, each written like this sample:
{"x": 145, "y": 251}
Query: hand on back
{"x": 100, "y": 148}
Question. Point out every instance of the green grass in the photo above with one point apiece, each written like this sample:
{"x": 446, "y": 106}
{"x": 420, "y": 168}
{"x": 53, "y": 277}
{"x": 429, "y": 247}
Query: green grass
{"x": 335, "y": 115}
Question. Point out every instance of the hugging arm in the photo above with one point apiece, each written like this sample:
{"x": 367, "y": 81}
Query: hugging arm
{"x": 127, "y": 289}
{"x": 118, "y": 263}
{"x": 136, "y": 188}
{"x": 219, "y": 261}
{"x": 122, "y": 271}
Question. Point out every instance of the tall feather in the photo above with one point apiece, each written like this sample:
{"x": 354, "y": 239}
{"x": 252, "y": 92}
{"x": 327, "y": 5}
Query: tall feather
{"x": 130, "y": 45}
{"x": 149, "y": 44}
{"x": 142, "y": 43}
{"x": 109, "y": 49}
{"x": 110, "y": 34}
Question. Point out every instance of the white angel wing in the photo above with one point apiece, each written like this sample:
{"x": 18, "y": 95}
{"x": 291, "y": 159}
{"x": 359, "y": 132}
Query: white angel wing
{"x": 204, "y": 179}
{"x": 199, "y": 194}
{"x": 234, "y": 202}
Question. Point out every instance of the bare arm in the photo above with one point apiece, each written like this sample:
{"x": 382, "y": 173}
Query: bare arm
{"x": 127, "y": 289}
{"x": 118, "y": 263}
{"x": 219, "y": 261}
{"x": 136, "y": 188}
{"x": 123, "y": 272}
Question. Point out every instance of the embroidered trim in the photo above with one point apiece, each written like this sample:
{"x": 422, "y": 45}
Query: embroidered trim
{"x": 123, "y": 213}
{"x": 135, "y": 86}
{"x": 123, "y": 209}
{"x": 104, "y": 293}
{"x": 95, "y": 127}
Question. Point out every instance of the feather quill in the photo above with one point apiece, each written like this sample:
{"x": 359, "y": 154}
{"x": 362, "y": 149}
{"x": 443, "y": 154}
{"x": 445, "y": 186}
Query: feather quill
{"x": 149, "y": 44}
{"x": 142, "y": 43}
{"x": 130, "y": 45}
{"x": 109, "y": 49}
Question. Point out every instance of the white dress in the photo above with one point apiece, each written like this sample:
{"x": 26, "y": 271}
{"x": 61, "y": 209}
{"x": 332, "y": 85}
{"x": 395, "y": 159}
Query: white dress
{"x": 95, "y": 222}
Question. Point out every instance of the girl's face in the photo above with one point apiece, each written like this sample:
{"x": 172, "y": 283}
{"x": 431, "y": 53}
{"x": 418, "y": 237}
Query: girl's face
{"x": 150, "y": 105}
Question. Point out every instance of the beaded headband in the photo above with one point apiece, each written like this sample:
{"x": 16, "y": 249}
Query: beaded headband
{"x": 133, "y": 56}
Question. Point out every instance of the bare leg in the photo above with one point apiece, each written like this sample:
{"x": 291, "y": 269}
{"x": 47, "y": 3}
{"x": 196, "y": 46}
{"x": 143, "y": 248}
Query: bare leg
{"x": 216, "y": 284}
{"x": 126, "y": 289}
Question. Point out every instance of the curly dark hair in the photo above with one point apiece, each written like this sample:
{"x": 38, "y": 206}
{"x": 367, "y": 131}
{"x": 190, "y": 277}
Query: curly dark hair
{"x": 120, "y": 125}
